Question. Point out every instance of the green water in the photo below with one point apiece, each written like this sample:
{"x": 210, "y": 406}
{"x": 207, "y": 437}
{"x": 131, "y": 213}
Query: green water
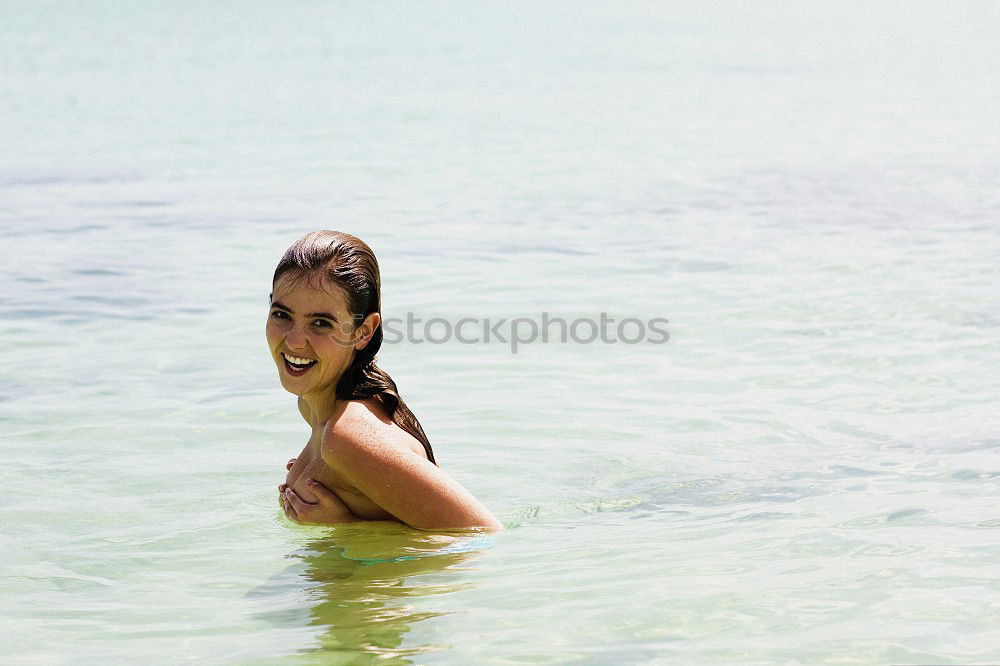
{"x": 806, "y": 472}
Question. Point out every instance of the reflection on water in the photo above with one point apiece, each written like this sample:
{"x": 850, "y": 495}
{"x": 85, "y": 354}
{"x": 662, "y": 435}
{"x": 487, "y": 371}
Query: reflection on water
{"x": 361, "y": 583}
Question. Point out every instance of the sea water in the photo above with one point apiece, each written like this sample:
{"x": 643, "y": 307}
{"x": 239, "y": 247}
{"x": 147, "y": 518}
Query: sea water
{"x": 805, "y": 471}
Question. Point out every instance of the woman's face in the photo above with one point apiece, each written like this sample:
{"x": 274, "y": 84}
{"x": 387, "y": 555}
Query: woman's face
{"x": 310, "y": 333}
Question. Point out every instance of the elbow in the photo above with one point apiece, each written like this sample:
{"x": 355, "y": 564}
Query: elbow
{"x": 479, "y": 523}
{"x": 484, "y": 520}
{"x": 487, "y": 523}
{"x": 493, "y": 525}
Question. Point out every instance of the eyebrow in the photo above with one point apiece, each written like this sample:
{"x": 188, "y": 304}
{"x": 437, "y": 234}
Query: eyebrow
{"x": 324, "y": 315}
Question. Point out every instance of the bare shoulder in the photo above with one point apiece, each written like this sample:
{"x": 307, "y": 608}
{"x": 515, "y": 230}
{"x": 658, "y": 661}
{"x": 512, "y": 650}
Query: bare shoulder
{"x": 367, "y": 409}
{"x": 362, "y": 426}
{"x": 378, "y": 462}
{"x": 369, "y": 416}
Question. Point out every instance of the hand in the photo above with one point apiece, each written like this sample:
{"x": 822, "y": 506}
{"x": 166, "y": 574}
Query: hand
{"x": 329, "y": 510}
{"x": 281, "y": 488}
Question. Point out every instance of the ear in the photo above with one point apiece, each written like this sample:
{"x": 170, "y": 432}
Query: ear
{"x": 366, "y": 330}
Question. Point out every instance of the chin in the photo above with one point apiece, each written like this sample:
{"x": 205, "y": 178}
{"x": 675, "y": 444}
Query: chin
{"x": 293, "y": 391}
{"x": 288, "y": 384}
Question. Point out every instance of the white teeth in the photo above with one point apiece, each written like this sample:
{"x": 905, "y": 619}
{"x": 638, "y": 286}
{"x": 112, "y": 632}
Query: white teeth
{"x": 295, "y": 360}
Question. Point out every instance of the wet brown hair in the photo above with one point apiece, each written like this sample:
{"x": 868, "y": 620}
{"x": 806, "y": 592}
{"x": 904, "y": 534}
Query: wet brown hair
{"x": 347, "y": 262}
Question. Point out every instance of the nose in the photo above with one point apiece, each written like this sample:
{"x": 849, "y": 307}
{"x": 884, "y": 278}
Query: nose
{"x": 295, "y": 338}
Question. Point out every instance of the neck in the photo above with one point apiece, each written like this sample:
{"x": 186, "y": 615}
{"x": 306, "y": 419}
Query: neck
{"x": 322, "y": 406}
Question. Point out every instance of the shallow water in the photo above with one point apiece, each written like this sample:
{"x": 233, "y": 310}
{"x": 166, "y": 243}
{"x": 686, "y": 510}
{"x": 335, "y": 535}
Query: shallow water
{"x": 805, "y": 472}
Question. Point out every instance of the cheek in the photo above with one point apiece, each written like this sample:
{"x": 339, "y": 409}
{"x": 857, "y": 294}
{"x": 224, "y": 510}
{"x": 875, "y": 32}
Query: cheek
{"x": 337, "y": 355}
{"x": 274, "y": 332}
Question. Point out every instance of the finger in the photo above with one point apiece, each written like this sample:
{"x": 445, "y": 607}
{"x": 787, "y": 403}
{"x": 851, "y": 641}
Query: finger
{"x": 289, "y": 511}
{"x": 325, "y": 496}
{"x": 299, "y": 505}
{"x": 281, "y": 488}
{"x": 289, "y": 464}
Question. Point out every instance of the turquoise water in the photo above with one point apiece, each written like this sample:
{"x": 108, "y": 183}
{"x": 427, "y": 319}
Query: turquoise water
{"x": 805, "y": 472}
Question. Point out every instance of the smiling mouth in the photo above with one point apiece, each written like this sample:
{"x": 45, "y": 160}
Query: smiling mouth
{"x": 297, "y": 366}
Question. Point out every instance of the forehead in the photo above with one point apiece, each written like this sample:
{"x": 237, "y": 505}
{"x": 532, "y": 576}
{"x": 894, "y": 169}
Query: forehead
{"x": 309, "y": 293}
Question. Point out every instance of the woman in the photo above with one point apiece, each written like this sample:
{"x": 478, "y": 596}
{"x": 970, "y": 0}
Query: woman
{"x": 367, "y": 458}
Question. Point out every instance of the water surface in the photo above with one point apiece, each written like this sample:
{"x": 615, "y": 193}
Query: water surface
{"x": 805, "y": 472}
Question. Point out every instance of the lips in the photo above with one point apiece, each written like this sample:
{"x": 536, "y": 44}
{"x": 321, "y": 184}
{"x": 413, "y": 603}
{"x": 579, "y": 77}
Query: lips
{"x": 297, "y": 366}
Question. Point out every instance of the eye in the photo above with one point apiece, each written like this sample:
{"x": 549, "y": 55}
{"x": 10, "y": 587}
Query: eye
{"x": 322, "y": 323}
{"x": 279, "y": 314}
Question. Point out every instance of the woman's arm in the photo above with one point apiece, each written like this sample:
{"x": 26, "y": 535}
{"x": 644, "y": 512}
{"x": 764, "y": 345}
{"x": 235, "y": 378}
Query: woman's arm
{"x": 403, "y": 483}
